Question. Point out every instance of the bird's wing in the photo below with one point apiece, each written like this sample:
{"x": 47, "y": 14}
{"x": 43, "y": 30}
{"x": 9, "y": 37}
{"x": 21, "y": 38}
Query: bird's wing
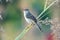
{"x": 30, "y": 16}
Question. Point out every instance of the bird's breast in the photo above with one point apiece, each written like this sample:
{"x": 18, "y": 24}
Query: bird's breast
{"x": 27, "y": 19}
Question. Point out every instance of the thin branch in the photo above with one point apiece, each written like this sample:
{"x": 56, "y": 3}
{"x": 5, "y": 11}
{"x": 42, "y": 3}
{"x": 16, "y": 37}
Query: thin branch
{"x": 45, "y": 4}
{"x": 44, "y": 15}
{"x": 46, "y": 9}
{"x": 21, "y": 35}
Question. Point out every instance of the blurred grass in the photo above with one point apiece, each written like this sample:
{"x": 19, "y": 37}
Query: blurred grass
{"x": 13, "y": 21}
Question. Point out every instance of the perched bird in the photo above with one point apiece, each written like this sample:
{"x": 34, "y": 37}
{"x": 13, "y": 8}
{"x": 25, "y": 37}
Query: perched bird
{"x": 30, "y": 18}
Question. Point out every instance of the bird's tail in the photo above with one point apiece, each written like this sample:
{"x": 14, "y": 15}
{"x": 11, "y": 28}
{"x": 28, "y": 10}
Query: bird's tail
{"x": 39, "y": 26}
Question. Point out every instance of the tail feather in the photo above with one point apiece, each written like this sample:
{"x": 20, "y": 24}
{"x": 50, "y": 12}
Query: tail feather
{"x": 39, "y": 26}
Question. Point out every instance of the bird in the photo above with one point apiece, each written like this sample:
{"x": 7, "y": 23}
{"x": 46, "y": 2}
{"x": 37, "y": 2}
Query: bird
{"x": 30, "y": 18}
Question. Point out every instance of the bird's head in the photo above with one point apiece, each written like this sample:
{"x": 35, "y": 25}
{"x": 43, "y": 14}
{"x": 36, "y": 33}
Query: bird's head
{"x": 25, "y": 10}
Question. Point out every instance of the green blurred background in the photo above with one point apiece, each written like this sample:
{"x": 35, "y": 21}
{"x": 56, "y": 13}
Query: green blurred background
{"x": 15, "y": 23}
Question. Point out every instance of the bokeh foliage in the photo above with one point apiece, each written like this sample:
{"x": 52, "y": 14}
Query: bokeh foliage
{"x": 13, "y": 21}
